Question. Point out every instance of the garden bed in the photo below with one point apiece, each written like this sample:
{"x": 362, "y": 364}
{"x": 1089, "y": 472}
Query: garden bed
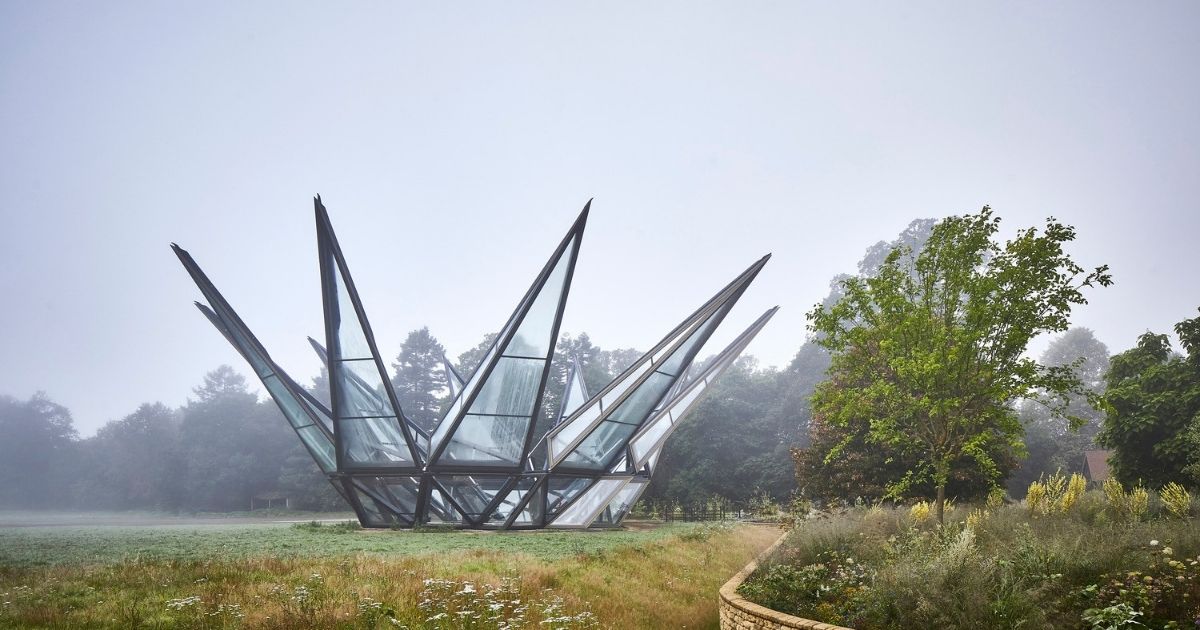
{"x": 1087, "y": 566}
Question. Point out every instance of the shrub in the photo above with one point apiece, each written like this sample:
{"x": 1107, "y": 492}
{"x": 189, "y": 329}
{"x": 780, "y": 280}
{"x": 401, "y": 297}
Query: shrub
{"x": 1176, "y": 499}
{"x": 1055, "y": 494}
{"x": 919, "y": 512}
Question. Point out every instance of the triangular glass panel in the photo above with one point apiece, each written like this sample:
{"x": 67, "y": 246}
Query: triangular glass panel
{"x": 370, "y": 432}
{"x": 490, "y": 422}
{"x": 581, "y": 512}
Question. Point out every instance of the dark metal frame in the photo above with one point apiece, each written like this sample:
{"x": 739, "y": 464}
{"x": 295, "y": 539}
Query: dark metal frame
{"x": 372, "y": 491}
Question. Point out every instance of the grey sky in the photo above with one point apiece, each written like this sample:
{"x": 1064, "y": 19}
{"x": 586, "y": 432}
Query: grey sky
{"x": 454, "y": 143}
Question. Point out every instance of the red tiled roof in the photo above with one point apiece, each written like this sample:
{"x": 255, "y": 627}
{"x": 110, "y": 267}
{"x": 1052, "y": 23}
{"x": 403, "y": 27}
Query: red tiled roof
{"x": 1095, "y": 465}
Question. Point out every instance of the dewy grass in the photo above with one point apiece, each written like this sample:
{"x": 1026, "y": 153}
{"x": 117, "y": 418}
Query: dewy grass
{"x": 323, "y": 576}
{"x": 873, "y": 569}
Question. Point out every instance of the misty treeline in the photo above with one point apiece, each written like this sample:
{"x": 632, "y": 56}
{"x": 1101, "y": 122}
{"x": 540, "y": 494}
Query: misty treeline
{"x": 753, "y": 435}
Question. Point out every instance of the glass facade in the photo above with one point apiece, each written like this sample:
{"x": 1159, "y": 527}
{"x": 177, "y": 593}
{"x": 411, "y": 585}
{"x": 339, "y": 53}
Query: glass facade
{"x": 495, "y": 459}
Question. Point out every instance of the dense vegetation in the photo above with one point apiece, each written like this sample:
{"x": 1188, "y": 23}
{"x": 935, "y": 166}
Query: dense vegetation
{"x": 1071, "y": 560}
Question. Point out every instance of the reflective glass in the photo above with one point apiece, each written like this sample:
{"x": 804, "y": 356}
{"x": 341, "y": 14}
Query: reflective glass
{"x": 600, "y": 446}
{"x": 473, "y": 493}
{"x": 510, "y": 502}
{"x": 639, "y": 404}
{"x": 581, "y": 512}
{"x": 487, "y": 440}
{"x": 373, "y": 441}
{"x": 293, "y": 411}
{"x": 569, "y": 431}
{"x": 352, "y": 341}
{"x": 375, "y": 514}
{"x": 403, "y": 493}
{"x": 361, "y": 391}
{"x": 441, "y": 511}
{"x": 531, "y": 515}
{"x": 533, "y": 337}
{"x": 674, "y": 363}
{"x": 575, "y": 395}
{"x": 561, "y": 490}
{"x": 320, "y": 446}
{"x": 619, "y": 507}
{"x": 511, "y": 388}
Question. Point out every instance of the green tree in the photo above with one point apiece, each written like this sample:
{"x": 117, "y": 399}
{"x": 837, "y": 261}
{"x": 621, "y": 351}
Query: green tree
{"x": 132, "y": 462}
{"x": 419, "y": 379}
{"x": 1153, "y": 409}
{"x": 37, "y": 445}
{"x": 932, "y": 345}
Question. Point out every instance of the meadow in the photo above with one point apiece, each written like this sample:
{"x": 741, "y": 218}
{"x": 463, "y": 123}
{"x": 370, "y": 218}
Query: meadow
{"x": 1090, "y": 560}
{"x": 333, "y": 575}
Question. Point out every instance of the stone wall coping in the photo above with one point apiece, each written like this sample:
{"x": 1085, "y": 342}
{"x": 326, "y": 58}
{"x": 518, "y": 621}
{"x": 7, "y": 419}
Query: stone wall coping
{"x": 730, "y": 598}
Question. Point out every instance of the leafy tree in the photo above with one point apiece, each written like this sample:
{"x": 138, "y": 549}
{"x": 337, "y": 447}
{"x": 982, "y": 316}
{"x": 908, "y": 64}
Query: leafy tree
{"x": 231, "y": 446}
{"x": 132, "y": 462}
{"x": 1153, "y": 402}
{"x": 419, "y": 380}
{"x": 37, "y": 444}
{"x": 469, "y": 360}
{"x": 930, "y": 349}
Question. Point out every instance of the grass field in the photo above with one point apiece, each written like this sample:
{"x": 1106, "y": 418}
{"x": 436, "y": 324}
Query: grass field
{"x": 306, "y": 575}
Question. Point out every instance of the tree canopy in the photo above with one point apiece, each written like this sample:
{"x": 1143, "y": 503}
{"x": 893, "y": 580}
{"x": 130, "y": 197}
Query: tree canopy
{"x": 1153, "y": 419}
{"x": 930, "y": 350}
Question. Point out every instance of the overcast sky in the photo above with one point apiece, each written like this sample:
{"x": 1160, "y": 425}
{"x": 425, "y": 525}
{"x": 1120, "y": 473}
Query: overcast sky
{"x": 454, "y": 143}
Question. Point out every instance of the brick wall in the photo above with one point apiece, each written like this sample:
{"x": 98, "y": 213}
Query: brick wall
{"x": 739, "y": 614}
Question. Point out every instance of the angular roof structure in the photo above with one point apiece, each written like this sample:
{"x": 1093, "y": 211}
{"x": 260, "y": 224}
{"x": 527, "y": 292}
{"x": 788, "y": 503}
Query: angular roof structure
{"x": 494, "y": 459}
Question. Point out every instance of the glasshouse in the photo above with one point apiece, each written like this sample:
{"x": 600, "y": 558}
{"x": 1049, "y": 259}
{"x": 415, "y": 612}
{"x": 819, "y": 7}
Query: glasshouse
{"x": 496, "y": 458}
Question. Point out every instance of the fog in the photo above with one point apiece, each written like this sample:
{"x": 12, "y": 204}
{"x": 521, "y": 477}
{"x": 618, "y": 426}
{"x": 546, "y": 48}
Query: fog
{"x": 454, "y": 146}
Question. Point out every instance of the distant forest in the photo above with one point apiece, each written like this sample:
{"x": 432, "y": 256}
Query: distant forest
{"x": 741, "y": 445}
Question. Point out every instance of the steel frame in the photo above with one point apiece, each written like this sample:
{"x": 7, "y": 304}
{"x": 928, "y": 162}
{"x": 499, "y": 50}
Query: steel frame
{"x": 378, "y": 493}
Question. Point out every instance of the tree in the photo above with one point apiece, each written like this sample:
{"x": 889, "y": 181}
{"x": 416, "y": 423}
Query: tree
{"x": 231, "y": 446}
{"x": 730, "y": 446}
{"x": 132, "y": 462}
{"x": 420, "y": 381}
{"x": 1050, "y": 441}
{"x": 1153, "y": 409}
{"x": 930, "y": 349}
{"x": 36, "y": 451}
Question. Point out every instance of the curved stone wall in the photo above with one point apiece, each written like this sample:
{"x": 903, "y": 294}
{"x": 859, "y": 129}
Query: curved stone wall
{"x": 738, "y": 613}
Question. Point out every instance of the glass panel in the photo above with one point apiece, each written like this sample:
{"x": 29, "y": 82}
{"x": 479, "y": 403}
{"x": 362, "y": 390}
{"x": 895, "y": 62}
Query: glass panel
{"x": 373, "y": 513}
{"x": 600, "y": 447}
{"x": 608, "y": 399}
{"x": 568, "y": 432}
{"x": 296, "y": 414}
{"x": 495, "y": 440}
{"x": 373, "y": 441}
{"x": 473, "y": 493}
{"x": 442, "y": 511}
{"x": 352, "y": 341}
{"x": 531, "y": 515}
{"x": 514, "y": 498}
{"x": 361, "y": 392}
{"x": 560, "y": 491}
{"x": 320, "y": 446}
{"x": 623, "y": 502}
{"x": 533, "y": 338}
{"x": 575, "y": 396}
{"x": 580, "y": 513}
{"x": 652, "y": 461}
{"x": 403, "y": 493}
{"x": 641, "y": 402}
{"x": 511, "y": 389}
{"x": 675, "y": 363}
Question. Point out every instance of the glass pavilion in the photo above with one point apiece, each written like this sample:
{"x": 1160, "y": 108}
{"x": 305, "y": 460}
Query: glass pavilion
{"x": 488, "y": 462}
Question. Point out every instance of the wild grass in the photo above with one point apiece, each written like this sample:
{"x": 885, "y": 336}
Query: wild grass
{"x": 1089, "y": 566}
{"x": 311, "y": 576}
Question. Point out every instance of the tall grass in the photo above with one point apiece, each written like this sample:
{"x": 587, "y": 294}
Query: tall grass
{"x": 1002, "y": 567}
{"x": 647, "y": 580}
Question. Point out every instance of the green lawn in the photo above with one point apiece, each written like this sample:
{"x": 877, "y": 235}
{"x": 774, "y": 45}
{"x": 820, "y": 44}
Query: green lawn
{"x": 239, "y": 575}
{"x": 31, "y": 546}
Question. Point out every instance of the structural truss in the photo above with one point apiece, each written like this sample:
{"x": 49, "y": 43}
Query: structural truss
{"x": 495, "y": 459}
